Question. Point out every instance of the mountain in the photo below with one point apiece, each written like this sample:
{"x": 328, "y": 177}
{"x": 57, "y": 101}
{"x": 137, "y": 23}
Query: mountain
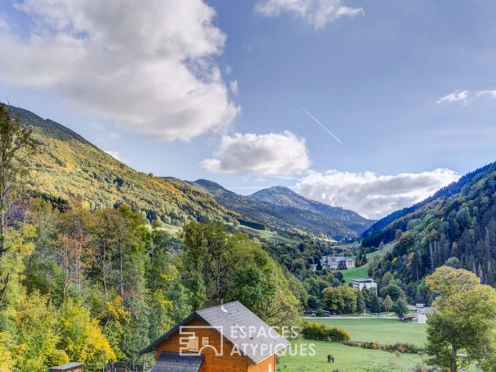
{"x": 285, "y": 197}
{"x": 384, "y": 229}
{"x": 68, "y": 168}
{"x": 457, "y": 226}
{"x": 283, "y": 210}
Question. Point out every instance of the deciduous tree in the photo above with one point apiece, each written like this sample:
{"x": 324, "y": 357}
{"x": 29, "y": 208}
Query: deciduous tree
{"x": 464, "y": 321}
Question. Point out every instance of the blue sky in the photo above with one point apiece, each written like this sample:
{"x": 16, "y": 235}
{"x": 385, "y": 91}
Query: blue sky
{"x": 373, "y": 73}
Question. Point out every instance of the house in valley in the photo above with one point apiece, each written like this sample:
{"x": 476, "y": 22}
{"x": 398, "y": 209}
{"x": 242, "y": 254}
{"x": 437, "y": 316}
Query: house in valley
{"x": 362, "y": 284}
{"x": 223, "y": 338}
{"x": 338, "y": 263}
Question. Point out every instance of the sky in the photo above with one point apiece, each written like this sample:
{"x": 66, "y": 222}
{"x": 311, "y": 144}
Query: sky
{"x": 367, "y": 105}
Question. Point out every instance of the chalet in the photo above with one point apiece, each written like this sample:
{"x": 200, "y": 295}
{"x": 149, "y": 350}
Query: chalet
{"x": 69, "y": 367}
{"x": 362, "y": 284}
{"x": 224, "y": 338}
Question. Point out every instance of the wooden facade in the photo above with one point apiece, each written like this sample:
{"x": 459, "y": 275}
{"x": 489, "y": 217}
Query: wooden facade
{"x": 229, "y": 361}
{"x": 223, "y": 338}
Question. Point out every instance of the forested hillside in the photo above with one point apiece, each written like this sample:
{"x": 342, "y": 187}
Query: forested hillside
{"x": 285, "y": 211}
{"x": 67, "y": 168}
{"x": 459, "y": 231}
{"x": 385, "y": 228}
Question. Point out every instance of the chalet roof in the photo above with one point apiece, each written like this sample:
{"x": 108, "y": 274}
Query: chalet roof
{"x": 252, "y": 337}
{"x": 67, "y": 366}
{"x": 175, "y": 362}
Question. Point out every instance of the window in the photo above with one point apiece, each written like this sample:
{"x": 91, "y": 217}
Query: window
{"x": 205, "y": 341}
{"x": 270, "y": 368}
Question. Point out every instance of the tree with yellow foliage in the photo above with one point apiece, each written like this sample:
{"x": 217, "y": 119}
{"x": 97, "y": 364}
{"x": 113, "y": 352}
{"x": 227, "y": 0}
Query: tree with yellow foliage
{"x": 82, "y": 338}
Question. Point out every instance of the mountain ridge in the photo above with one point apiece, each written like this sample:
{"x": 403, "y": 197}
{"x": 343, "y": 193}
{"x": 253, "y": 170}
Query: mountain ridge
{"x": 280, "y": 207}
{"x": 384, "y": 229}
{"x": 69, "y": 169}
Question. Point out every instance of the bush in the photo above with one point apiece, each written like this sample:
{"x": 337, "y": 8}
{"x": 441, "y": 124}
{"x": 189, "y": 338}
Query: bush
{"x": 339, "y": 334}
{"x": 319, "y": 331}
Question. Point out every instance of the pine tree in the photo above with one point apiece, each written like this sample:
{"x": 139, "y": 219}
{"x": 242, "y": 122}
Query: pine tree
{"x": 375, "y": 304}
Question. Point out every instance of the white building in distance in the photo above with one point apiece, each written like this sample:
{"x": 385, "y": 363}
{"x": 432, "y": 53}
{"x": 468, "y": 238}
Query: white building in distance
{"x": 422, "y": 314}
{"x": 362, "y": 284}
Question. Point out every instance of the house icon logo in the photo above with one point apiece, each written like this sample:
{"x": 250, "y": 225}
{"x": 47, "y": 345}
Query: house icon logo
{"x": 195, "y": 340}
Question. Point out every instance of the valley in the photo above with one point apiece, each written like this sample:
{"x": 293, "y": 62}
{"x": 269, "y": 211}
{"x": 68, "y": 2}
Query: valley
{"x": 125, "y": 255}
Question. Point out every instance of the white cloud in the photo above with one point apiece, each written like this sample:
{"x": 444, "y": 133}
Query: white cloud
{"x": 268, "y": 154}
{"x": 148, "y": 65}
{"x": 233, "y": 86}
{"x": 370, "y": 195}
{"x": 115, "y": 154}
{"x": 315, "y": 12}
{"x": 113, "y": 135}
{"x": 456, "y": 96}
{"x": 228, "y": 70}
{"x": 484, "y": 93}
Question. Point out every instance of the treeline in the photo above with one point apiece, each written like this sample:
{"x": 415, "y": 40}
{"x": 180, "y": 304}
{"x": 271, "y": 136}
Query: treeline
{"x": 100, "y": 286}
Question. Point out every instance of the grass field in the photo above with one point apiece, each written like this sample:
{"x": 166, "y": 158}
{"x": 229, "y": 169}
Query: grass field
{"x": 266, "y": 234}
{"x": 347, "y": 359}
{"x": 383, "y": 331}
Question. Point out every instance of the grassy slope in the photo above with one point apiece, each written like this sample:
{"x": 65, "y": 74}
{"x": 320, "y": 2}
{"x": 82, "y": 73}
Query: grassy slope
{"x": 362, "y": 271}
{"x": 383, "y": 331}
{"x": 347, "y": 359}
{"x": 269, "y": 235}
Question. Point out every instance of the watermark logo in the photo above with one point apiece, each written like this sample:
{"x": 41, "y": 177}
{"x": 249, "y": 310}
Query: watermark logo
{"x": 198, "y": 340}
{"x": 193, "y": 340}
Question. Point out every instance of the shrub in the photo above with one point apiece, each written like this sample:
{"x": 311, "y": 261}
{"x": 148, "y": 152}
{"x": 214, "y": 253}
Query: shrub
{"x": 339, "y": 334}
{"x": 319, "y": 331}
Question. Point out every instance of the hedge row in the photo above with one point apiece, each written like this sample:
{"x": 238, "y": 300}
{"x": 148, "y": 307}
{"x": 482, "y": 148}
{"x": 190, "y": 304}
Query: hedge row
{"x": 402, "y": 347}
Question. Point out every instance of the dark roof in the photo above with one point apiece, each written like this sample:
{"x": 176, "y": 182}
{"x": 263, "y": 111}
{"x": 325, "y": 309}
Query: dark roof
{"x": 175, "y": 362}
{"x": 236, "y": 321}
{"x": 364, "y": 280}
{"x": 67, "y": 366}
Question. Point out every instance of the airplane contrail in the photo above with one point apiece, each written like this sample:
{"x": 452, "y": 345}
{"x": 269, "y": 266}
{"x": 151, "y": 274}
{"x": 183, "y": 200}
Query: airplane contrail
{"x": 318, "y": 122}
{"x": 313, "y": 117}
